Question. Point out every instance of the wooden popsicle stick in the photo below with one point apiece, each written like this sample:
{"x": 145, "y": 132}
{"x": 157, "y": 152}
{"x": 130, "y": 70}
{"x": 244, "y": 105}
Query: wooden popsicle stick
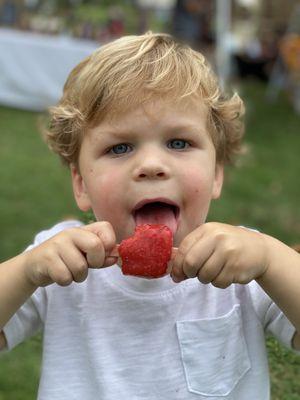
{"x": 115, "y": 252}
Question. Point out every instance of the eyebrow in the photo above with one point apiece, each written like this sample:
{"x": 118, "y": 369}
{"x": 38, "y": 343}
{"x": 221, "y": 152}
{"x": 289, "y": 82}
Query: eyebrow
{"x": 181, "y": 127}
{"x": 172, "y": 128}
{"x": 119, "y": 133}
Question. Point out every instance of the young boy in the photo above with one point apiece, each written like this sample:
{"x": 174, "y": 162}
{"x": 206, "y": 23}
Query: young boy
{"x": 147, "y": 132}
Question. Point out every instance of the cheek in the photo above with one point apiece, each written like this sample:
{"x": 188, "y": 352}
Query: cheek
{"x": 109, "y": 182}
{"x": 197, "y": 185}
{"x": 108, "y": 192}
{"x": 197, "y": 196}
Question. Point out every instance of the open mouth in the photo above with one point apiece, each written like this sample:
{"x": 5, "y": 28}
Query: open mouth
{"x": 157, "y": 212}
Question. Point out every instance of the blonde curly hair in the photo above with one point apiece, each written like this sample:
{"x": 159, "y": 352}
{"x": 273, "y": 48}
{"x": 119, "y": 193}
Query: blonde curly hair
{"x": 133, "y": 70}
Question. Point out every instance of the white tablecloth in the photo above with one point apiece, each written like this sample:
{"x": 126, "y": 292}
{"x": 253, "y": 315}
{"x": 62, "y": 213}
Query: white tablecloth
{"x": 33, "y": 67}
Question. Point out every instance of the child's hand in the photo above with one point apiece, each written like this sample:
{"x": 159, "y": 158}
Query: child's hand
{"x": 66, "y": 257}
{"x": 221, "y": 254}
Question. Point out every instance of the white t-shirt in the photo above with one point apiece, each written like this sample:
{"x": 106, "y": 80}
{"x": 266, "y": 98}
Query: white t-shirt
{"x": 115, "y": 336}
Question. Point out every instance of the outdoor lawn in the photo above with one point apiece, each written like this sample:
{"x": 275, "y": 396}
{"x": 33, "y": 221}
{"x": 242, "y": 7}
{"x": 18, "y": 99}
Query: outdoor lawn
{"x": 263, "y": 191}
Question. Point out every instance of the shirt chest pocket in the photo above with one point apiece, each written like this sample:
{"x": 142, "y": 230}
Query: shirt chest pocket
{"x": 214, "y": 353}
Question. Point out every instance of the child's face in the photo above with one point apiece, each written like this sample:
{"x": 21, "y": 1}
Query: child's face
{"x": 154, "y": 164}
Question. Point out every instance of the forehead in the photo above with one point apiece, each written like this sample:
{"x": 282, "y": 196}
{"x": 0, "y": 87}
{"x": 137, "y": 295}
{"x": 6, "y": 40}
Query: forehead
{"x": 162, "y": 112}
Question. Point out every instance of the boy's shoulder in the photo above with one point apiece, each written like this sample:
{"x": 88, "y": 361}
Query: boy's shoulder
{"x": 57, "y": 228}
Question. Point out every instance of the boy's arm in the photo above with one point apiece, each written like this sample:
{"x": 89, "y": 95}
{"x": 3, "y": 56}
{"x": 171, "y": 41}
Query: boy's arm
{"x": 62, "y": 259}
{"x": 15, "y": 287}
{"x": 281, "y": 281}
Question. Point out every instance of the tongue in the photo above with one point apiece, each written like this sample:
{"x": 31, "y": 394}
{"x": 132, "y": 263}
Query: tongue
{"x": 157, "y": 214}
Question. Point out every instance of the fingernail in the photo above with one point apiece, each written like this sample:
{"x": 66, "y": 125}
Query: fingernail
{"x": 109, "y": 261}
{"x": 175, "y": 279}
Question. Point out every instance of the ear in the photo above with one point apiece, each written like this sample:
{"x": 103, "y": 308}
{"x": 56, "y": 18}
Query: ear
{"x": 79, "y": 189}
{"x": 218, "y": 182}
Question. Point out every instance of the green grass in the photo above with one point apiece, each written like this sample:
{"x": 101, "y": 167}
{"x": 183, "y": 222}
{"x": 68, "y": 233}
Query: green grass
{"x": 35, "y": 194}
{"x": 263, "y": 191}
{"x": 35, "y": 189}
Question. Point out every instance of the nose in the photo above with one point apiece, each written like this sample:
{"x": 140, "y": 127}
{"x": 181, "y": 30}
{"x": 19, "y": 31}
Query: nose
{"x": 152, "y": 165}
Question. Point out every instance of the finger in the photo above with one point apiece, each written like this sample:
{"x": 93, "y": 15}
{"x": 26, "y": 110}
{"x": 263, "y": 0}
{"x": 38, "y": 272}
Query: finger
{"x": 115, "y": 251}
{"x": 174, "y": 253}
{"x": 200, "y": 250}
{"x": 197, "y": 257}
{"x": 211, "y": 268}
{"x": 105, "y": 232}
{"x": 109, "y": 261}
{"x": 96, "y": 254}
{"x": 223, "y": 279}
{"x": 76, "y": 262}
{"x": 177, "y": 273}
{"x": 59, "y": 273}
{"x": 112, "y": 257}
{"x": 90, "y": 244}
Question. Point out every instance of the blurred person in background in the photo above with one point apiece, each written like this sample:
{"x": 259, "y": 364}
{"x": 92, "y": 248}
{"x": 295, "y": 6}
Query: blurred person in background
{"x": 9, "y": 13}
{"x": 190, "y": 23}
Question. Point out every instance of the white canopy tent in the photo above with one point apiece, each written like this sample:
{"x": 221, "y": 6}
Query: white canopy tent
{"x": 34, "y": 67}
{"x": 23, "y": 85}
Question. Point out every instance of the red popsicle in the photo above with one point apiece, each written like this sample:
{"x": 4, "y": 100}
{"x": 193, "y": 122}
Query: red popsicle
{"x": 147, "y": 253}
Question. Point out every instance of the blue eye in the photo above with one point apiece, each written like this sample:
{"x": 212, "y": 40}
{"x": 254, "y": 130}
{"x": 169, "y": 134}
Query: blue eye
{"x": 121, "y": 148}
{"x": 178, "y": 144}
